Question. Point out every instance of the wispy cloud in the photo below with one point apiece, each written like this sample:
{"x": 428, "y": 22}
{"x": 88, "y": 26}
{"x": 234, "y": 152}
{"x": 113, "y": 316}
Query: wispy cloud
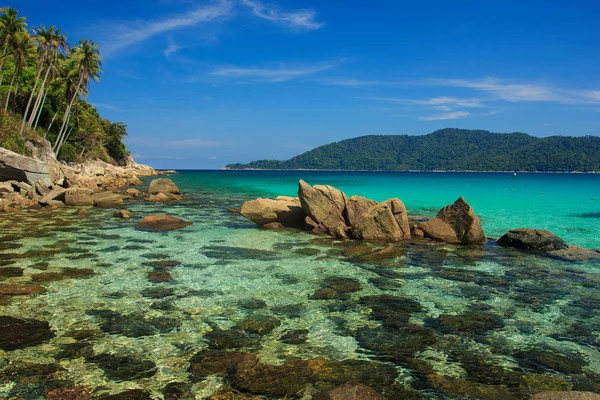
{"x": 348, "y": 82}
{"x": 442, "y": 102}
{"x": 450, "y": 115}
{"x": 105, "y": 106}
{"x": 141, "y": 31}
{"x": 279, "y": 74}
{"x": 172, "y": 48}
{"x": 303, "y": 19}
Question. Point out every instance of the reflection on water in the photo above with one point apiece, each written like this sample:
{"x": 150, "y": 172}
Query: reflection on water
{"x": 222, "y": 306}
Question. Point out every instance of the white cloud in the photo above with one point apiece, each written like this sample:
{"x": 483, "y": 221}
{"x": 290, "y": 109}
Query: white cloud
{"x": 349, "y": 82}
{"x": 442, "y": 102}
{"x": 450, "y": 115}
{"x": 105, "y": 106}
{"x": 303, "y": 19}
{"x": 143, "y": 30}
{"x": 172, "y": 48}
{"x": 279, "y": 74}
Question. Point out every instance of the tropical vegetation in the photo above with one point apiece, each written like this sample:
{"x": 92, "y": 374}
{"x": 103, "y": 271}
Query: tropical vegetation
{"x": 448, "y": 150}
{"x": 44, "y": 84}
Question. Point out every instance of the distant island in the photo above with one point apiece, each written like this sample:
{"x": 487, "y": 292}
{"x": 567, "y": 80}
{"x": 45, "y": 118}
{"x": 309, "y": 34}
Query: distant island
{"x": 447, "y": 150}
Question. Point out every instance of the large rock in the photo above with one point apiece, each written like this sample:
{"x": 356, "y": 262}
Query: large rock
{"x": 163, "y": 185}
{"x": 41, "y": 149}
{"x": 326, "y": 206}
{"x": 78, "y": 199}
{"x": 387, "y": 221}
{"x": 356, "y": 207}
{"x": 456, "y": 223}
{"x": 24, "y": 169}
{"x": 350, "y": 391}
{"x": 286, "y": 211}
{"x": 158, "y": 223}
{"x": 107, "y": 199}
{"x": 6, "y": 187}
{"x": 57, "y": 194}
{"x": 532, "y": 239}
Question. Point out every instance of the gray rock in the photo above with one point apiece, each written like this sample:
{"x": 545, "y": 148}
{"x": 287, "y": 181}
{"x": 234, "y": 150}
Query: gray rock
{"x": 163, "y": 185}
{"x": 22, "y": 168}
{"x": 532, "y": 239}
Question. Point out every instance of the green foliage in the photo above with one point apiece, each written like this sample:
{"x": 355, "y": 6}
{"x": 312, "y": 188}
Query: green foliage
{"x": 448, "y": 150}
{"x": 68, "y": 153}
{"x": 44, "y": 60}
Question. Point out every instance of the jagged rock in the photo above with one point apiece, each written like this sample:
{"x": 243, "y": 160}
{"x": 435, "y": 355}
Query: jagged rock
{"x": 456, "y": 223}
{"x": 386, "y": 221}
{"x": 55, "y": 194}
{"x": 133, "y": 192}
{"x": 24, "y": 169}
{"x": 350, "y": 391}
{"x": 356, "y": 207}
{"x": 163, "y": 185}
{"x": 532, "y": 239}
{"x": 123, "y": 214}
{"x": 565, "y": 396}
{"x": 78, "y": 199}
{"x": 6, "y": 187}
{"x": 158, "y": 223}
{"x": 326, "y": 206}
{"x": 286, "y": 211}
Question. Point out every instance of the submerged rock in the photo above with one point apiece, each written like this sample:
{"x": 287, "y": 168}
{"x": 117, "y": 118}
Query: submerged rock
{"x": 532, "y": 239}
{"x": 123, "y": 368}
{"x": 21, "y": 333}
{"x": 20, "y": 290}
{"x": 477, "y": 323}
{"x": 160, "y": 223}
{"x": 456, "y": 223}
{"x": 123, "y": 214}
{"x": 133, "y": 394}
{"x": 260, "y": 325}
{"x": 206, "y": 363}
{"x": 565, "y": 396}
{"x": 349, "y": 391}
{"x": 73, "y": 393}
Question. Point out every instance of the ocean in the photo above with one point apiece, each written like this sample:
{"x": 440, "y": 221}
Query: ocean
{"x": 224, "y": 306}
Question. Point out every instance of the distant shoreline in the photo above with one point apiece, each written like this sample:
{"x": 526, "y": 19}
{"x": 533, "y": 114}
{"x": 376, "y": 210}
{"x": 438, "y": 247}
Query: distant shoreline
{"x": 416, "y": 171}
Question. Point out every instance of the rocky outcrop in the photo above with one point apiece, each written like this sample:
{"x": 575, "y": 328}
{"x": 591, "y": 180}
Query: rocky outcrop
{"x": 532, "y": 239}
{"x": 387, "y": 221}
{"x": 23, "y": 169}
{"x": 456, "y": 223}
{"x": 285, "y": 210}
{"x": 326, "y": 206}
{"x": 159, "y": 223}
{"x": 163, "y": 185}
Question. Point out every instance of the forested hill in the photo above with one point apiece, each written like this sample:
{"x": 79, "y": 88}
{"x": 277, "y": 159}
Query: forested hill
{"x": 448, "y": 150}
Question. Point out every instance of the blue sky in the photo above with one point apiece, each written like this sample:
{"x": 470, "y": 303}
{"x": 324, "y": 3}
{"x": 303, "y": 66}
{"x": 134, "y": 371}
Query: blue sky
{"x": 201, "y": 84}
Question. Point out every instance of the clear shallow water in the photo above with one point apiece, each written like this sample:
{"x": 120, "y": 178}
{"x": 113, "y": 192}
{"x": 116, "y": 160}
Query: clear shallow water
{"x": 436, "y": 322}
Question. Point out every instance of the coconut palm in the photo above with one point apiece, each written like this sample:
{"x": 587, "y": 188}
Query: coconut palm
{"x": 86, "y": 56}
{"x": 10, "y": 25}
{"x": 19, "y": 46}
{"x": 50, "y": 43}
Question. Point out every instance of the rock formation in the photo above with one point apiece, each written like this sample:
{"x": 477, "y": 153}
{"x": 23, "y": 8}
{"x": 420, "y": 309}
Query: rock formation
{"x": 23, "y": 169}
{"x": 163, "y": 185}
{"x": 285, "y": 210}
{"x": 456, "y": 223}
{"x": 387, "y": 221}
{"x": 326, "y": 206}
{"x": 532, "y": 239}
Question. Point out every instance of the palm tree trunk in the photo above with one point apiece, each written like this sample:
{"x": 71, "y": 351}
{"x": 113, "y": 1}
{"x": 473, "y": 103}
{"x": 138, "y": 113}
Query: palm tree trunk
{"x": 12, "y": 80}
{"x": 2, "y": 63}
{"x": 37, "y": 79}
{"x": 38, "y": 99}
{"x": 37, "y": 119}
{"x": 51, "y": 123}
{"x": 62, "y": 130}
{"x": 64, "y": 139}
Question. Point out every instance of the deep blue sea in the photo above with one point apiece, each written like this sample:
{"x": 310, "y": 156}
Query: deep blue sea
{"x": 222, "y": 308}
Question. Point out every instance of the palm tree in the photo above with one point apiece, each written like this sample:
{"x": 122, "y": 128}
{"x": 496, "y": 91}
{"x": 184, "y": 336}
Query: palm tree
{"x": 50, "y": 43}
{"x": 19, "y": 45}
{"x": 10, "y": 25}
{"x": 86, "y": 55}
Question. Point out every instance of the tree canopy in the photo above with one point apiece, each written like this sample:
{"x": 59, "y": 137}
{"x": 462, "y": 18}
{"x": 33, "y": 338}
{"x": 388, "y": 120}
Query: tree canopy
{"x": 448, "y": 150}
{"x": 44, "y": 83}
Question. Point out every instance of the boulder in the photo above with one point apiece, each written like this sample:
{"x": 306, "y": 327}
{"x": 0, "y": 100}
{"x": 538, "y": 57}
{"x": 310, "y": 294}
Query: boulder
{"x": 163, "y": 185}
{"x": 78, "y": 199}
{"x": 159, "y": 198}
{"x": 158, "y": 223}
{"x": 123, "y": 214}
{"x": 356, "y": 207}
{"x": 532, "y": 239}
{"x": 349, "y": 391}
{"x": 565, "y": 396}
{"x": 57, "y": 193}
{"x": 23, "y": 169}
{"x": 41, "y": 150}
{"x": 286, "y": 211}
{"x": 82, "y": 211}
{"x": 107, "y": 199}
{"x": 326, "y": 206}
{"x": 133, "y": 192}
{"x": 387, "y": 221}
{"x": 456, "y": 223}
{"x": 54, "y": 204}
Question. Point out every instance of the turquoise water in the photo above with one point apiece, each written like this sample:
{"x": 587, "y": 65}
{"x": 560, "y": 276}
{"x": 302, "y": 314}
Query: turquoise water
{"x": 566, "y": 204}
{"x": 145, "y": 315}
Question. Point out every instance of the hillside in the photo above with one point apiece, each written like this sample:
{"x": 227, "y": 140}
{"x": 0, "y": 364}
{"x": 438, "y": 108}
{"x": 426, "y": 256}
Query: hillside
{"x": 448, "y": 150}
